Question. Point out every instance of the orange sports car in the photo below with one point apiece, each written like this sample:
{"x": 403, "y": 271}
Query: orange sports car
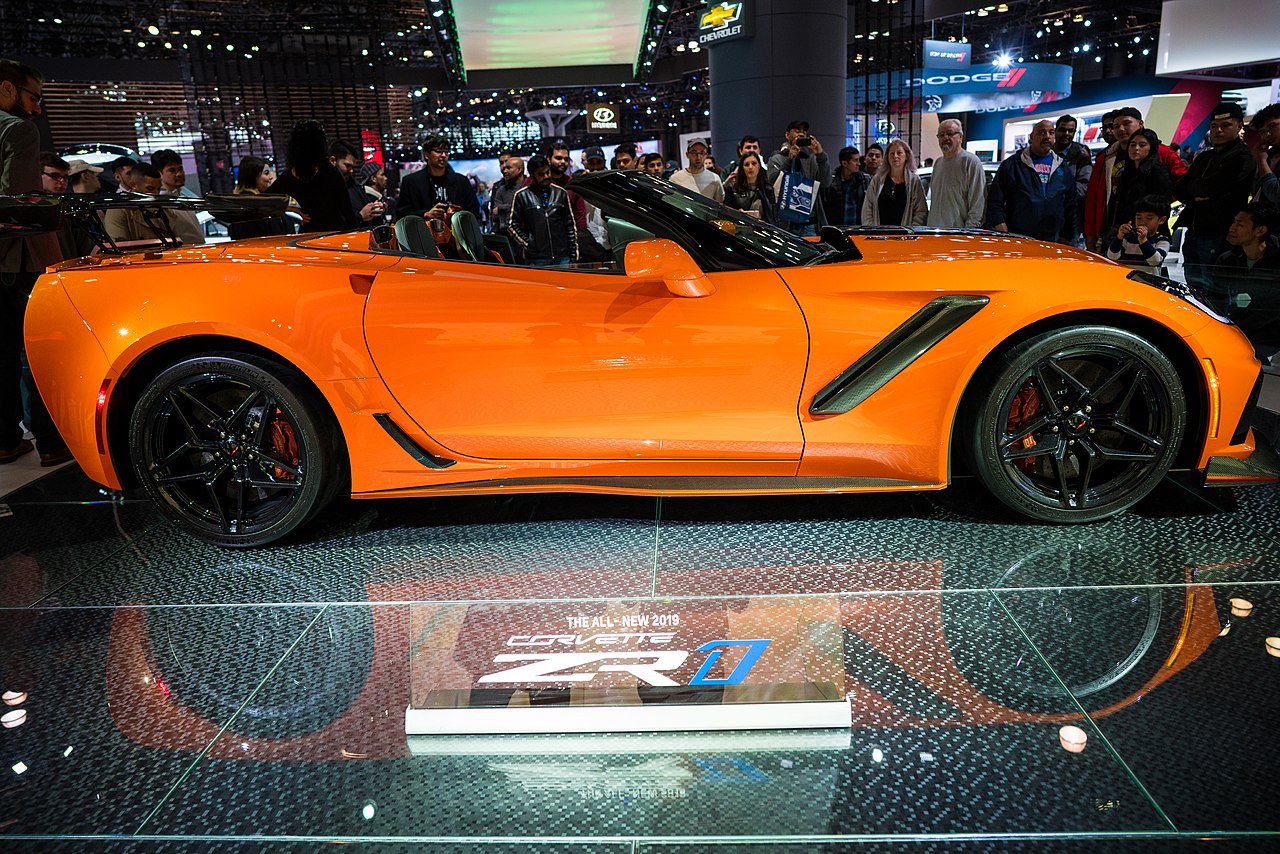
{"x": 243, "y": 385}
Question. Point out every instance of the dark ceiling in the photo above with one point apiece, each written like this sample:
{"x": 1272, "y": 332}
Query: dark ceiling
{"x": 323, "y": 48}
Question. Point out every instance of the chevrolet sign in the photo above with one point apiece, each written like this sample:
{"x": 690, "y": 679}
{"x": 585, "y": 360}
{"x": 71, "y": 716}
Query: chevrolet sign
{"x": 721, "y": 21}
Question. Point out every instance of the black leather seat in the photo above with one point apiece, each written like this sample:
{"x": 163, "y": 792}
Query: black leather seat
{"x": 415, "y": 237}
{"x": 621, "y": 233}
{"x": 466, "y": 231}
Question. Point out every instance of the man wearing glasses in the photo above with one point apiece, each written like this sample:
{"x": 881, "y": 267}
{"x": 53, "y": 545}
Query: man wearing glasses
{"x": 434, "y": 188}
{"x": 55, "y": 173}
{"x": 958, "y": 188}
{"x": 21, "y": 261}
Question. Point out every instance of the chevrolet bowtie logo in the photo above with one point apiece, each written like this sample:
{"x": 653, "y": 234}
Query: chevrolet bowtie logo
{"x": 721, "y": 16}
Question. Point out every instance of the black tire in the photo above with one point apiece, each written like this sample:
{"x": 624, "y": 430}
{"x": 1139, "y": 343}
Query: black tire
{"x": 1076, "y": 424}
{"x": 213, "y": 659}
{"x": 1092, "y": 614}
{"x": 235, "y": 448}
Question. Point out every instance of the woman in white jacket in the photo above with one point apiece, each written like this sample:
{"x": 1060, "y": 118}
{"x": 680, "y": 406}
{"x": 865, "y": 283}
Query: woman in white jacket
{"x": 896, "y": 194}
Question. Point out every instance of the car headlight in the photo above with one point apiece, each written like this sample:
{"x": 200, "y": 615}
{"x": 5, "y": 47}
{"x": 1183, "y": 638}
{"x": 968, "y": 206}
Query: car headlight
{"x": 1179, "y": 289}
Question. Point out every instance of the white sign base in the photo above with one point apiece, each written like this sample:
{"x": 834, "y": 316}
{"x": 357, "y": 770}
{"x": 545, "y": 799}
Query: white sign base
{"x": 643, "y": 718}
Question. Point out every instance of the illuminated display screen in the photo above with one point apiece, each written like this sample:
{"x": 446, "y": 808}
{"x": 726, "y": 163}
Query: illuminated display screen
{"x": 542, "y": 34}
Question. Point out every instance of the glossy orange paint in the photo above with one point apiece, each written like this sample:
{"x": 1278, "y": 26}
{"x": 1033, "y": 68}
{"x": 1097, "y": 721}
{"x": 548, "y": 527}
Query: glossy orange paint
{"x": 521, "y": 374}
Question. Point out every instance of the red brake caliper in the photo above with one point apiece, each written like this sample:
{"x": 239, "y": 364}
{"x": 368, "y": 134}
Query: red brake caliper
{"x": 1026, "y": 403}
{"x": 284, "y": 443}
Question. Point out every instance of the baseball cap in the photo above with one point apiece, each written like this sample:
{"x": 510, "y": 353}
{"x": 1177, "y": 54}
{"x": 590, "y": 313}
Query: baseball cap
{"x": 1228, "y": 110}
{"x": 1132, "y": 112}
{"x": 595, "y": 152}
{"x": 75, "y": 167}
{"x": 798, "y": 125}
{"x": 697, "y": 140}
{"x": 369, "y": 169}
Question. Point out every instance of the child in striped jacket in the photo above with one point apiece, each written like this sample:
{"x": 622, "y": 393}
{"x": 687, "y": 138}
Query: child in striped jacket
{"x": 1144, "y": 242}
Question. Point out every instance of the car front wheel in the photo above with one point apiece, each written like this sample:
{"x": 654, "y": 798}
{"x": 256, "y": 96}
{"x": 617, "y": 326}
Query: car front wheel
{"x": 1077, "y": 424}
{"x": 234, "y": 448}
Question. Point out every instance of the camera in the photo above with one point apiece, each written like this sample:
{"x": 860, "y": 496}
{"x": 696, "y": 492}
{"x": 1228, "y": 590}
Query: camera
{"x": 804, "y": 141}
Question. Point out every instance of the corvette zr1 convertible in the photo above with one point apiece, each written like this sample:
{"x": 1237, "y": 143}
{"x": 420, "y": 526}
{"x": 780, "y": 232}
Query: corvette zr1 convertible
{"x": 244, "y": 385}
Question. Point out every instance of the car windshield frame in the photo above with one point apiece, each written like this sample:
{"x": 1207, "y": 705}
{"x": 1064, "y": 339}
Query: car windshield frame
{"x": 719, "y": 237}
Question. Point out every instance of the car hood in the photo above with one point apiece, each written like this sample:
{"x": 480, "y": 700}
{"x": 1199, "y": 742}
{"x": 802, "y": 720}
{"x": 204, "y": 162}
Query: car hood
{"x": 963, "y": 245}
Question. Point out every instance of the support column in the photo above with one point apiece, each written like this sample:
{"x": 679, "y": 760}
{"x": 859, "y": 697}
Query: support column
{"x": 793, "y": 67}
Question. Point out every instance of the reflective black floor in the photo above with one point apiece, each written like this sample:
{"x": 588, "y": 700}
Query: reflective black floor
{"x": 162, "y": 694}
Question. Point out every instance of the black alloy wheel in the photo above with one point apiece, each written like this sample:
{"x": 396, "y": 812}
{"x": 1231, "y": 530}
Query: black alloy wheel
{"x": 1077, "y": 424}
{"x": 234, "y": 449}
{"x": 1092, "y": 633}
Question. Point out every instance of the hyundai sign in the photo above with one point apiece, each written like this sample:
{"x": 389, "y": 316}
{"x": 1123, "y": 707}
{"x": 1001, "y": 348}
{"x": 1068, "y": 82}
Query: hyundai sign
{"x": 939, "y": 54}
{"x": 603, "y": 118}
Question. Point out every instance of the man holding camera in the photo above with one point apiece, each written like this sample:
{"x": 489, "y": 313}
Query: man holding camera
{"x": 806, "y": 153}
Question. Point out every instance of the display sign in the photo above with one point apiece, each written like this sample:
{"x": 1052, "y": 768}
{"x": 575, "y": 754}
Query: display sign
{"x": 371, "y": 146}
{"x": 940, "y": 54}
{"x": 991, "y": 102}
{"x": 979, "y": 88}
{"x": 627, "y": 667}
{"x": 1027, "y": 77}
{"x": 603, "y": 118}
{"x": 722, "y": 21}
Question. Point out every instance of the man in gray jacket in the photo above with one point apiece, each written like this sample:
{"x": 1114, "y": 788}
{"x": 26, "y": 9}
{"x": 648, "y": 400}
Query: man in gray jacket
{"x": 958, "y": 188}
{"x": 811, "y": 161}
{"x": 22, "y": 259}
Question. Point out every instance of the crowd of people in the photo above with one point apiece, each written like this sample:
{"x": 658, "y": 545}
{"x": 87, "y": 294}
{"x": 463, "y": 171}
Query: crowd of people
{"x": 1117, "y": 202}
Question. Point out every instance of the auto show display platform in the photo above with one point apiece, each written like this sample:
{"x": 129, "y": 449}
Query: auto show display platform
{"x": 1012, "y": 686}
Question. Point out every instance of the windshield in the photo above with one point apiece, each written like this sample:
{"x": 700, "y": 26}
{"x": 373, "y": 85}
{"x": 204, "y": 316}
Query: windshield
{"x": 727, "y": 238}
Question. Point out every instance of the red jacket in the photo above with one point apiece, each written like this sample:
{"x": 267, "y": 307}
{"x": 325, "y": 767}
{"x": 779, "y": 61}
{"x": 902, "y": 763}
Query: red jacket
{"x": 1095, "y": 200}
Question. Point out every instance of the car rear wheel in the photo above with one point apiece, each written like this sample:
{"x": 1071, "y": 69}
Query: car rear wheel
{"x": 234, "y": 448}
{"x": 1077, "y": 424}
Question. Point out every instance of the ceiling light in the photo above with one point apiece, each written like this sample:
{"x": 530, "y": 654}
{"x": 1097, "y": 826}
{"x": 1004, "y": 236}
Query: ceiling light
{"x": 153, "y": 29}
{"x": 1003, "y": 61}
{"x": 196, "y": 32}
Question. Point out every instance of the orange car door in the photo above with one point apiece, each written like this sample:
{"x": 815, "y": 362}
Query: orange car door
{"x": 508, "y": 362}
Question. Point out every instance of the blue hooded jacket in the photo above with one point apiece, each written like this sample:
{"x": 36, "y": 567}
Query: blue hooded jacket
{"x": 1029, "y": 207}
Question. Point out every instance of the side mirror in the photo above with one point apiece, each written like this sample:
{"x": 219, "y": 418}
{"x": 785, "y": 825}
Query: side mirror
{"x": 663, "y": 260}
